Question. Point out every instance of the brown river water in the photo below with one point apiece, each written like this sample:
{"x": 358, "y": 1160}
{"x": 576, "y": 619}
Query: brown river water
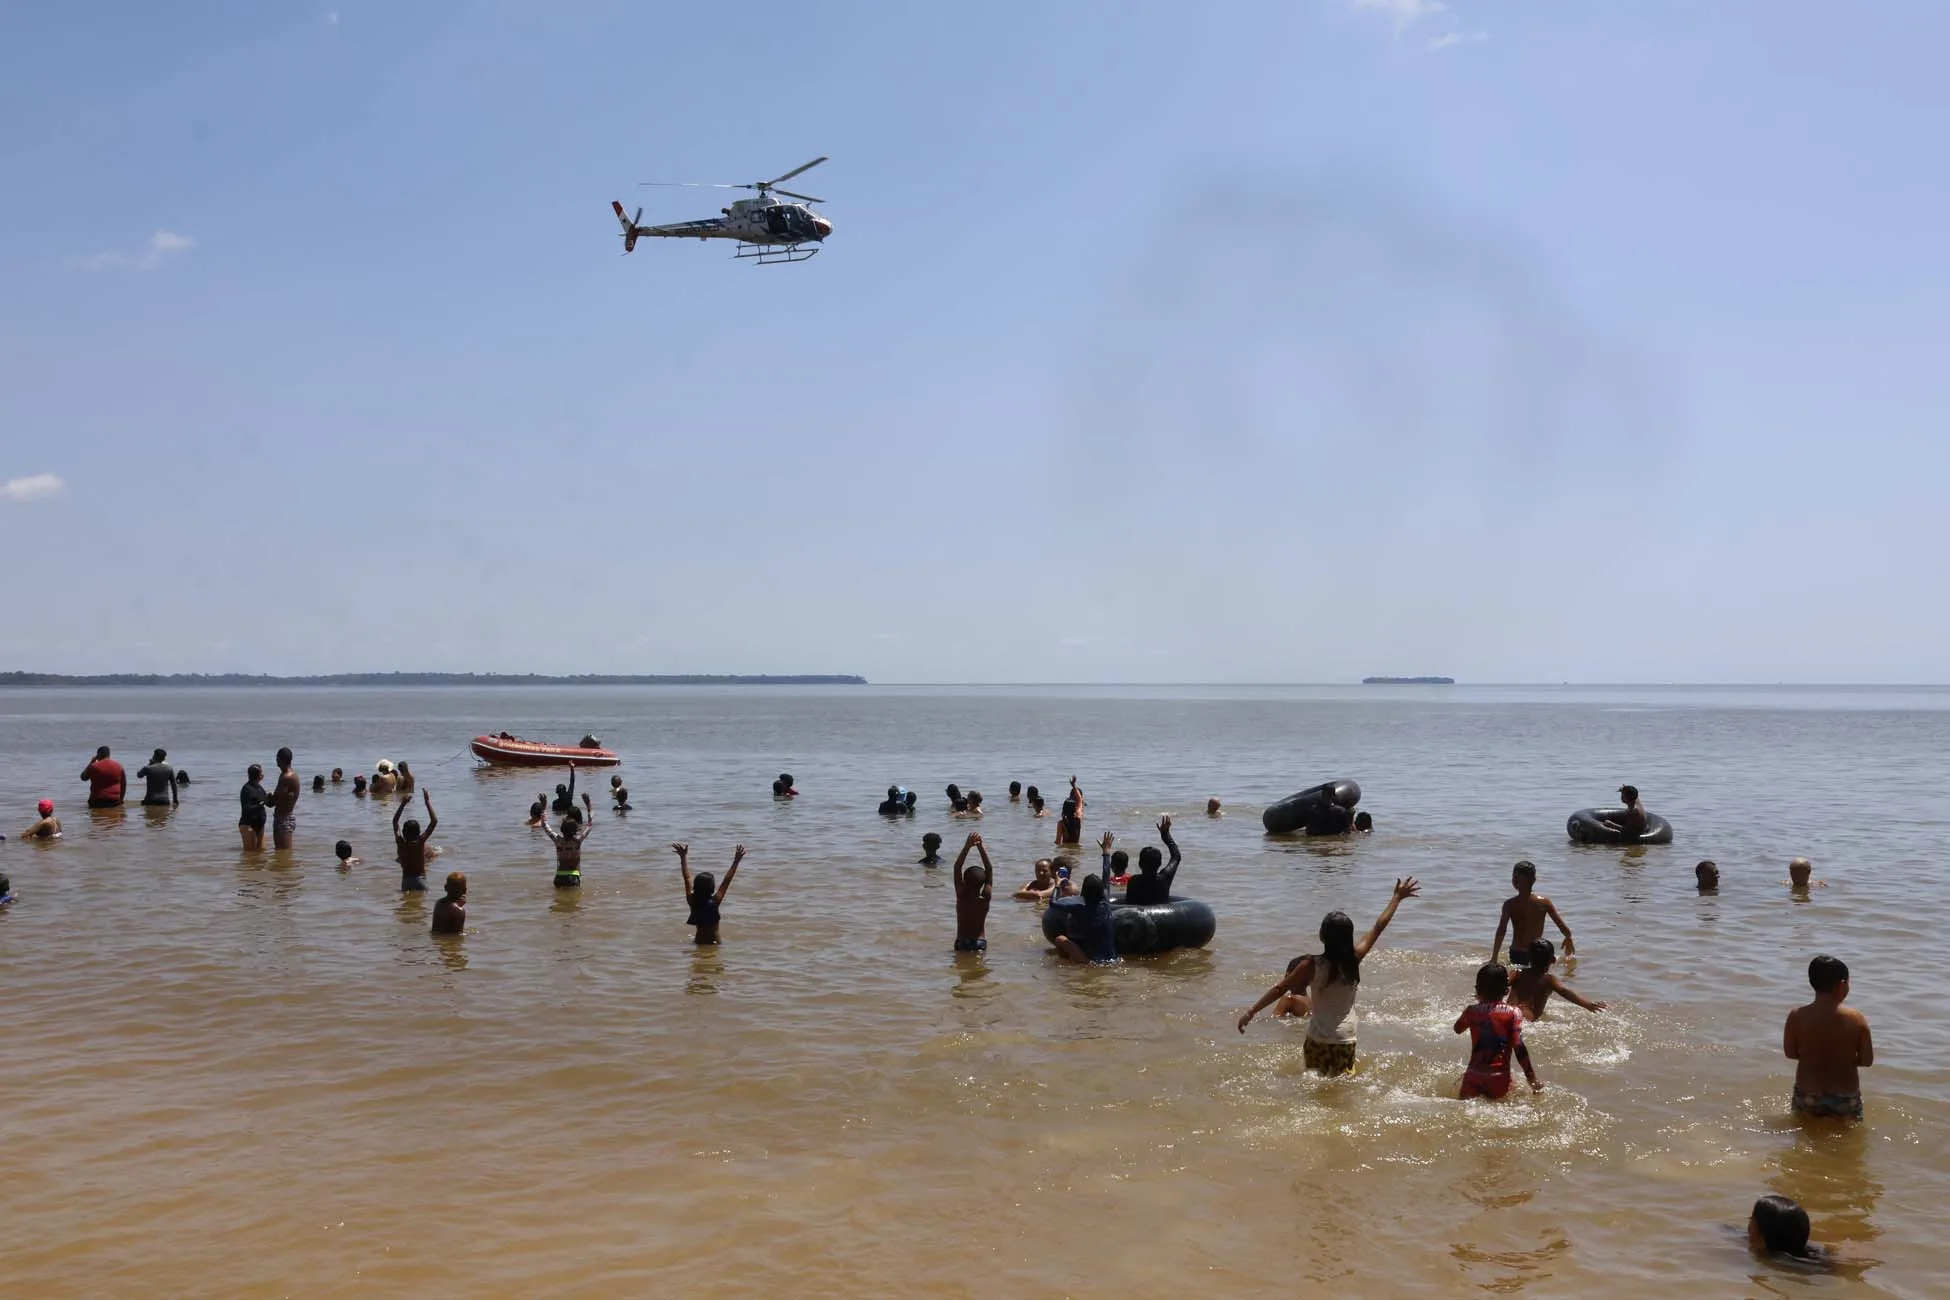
{"x": 257, "y": 1075}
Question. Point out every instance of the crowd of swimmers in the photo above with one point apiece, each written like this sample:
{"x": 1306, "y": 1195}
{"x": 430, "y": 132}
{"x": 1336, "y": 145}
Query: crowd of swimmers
{"x": 1829, "y": 1042}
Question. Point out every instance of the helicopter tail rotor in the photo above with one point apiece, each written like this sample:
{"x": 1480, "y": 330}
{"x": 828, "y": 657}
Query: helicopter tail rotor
{"x": 629, "y": 225}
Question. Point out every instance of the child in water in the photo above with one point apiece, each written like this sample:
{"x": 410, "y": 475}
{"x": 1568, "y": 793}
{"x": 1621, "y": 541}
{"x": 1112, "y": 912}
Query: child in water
{"x": 1531, "y": 989}
{"x": 1800, "y": 873}
{"x": 1778, "y": 1226}
{"x": 972, "y": 894}
{"x": 699, "y": 893}
{"x": 1707, "y": 876}
{"x": 930, "y": 850}
{"x": 1495, "y": 1034}
{"x": 1829, "y": 1045}
{"x": 1043, "y": 885}
{"x": 568, "y": 845}
{"x": 48, "y": 827}
{"x": 450, "y": 913}
{"x": 6, "y": 889}
{"x": 618, "y": 795}
{"x": 1036, "y": 806}
{"x": 410, "y": 843}
{"x": 1015, "y": 792}
{"x": 1069, "y": 827}
{"x": 1523, "y": 916}
{"x": 343, "y": 851}
{"x": 538, "y": 811}
{"x": 359, "y": 786}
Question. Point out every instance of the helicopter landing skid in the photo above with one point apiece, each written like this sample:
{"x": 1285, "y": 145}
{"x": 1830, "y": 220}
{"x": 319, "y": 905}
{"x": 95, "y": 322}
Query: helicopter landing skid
{"x": 771, "y": 254}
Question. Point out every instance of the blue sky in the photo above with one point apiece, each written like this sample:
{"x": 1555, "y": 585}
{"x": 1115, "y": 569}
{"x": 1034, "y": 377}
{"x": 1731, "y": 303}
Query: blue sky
{"x": 1154, "y": 342}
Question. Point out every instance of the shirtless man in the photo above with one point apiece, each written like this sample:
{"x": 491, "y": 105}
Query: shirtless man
{"x": 1829, "y": 1044}
{"x": 1523, "y": 915}
{"x": 568, "y": 845}
{"x": 284, "y": 803}
{"x": 410, "y": 845}
{"x": 48, "y": 827}
{"x": 973, "y": 891}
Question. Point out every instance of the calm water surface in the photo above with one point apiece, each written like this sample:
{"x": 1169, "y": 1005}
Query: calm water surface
{"x": 231, "y": 1074}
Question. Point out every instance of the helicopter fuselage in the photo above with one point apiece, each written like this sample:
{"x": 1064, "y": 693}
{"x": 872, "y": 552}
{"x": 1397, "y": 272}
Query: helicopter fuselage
{"x": 765, "y": 220}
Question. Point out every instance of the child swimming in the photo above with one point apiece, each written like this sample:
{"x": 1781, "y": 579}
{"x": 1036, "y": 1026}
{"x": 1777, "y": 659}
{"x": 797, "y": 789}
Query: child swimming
{"x": 930, "y": 850}
{"x": 343, "y": 852}
{"x": 1531, "y": 989}
{"x": 410, "y": 845}
{"x": 1495, "y": 1034}
{"x": 1523, "y": 916}
{"x": 618, "y": 795}
{"x": 1043, "y": 885}
{"x": 1707, "y": 876}
{"x": 705, "y": 901}
{"x": 450, "y": 913}
{"x": 538, "y": 811}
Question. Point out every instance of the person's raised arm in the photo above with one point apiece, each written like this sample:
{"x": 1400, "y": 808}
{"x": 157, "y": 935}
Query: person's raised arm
{"x": 572, "y": 782}
{"x": 1103, "y": 851}
{"x": 737, "y": 857}
{"x": 433, "y": 818}
{"x": 961, "y": 858}
{"x": 683, "y": 852}
{"x": 988, "y": 867}
{"x": 1171, "y": 867}
{"x": 1408, "y": 888}
{"x": 1550, "y": 910}
{"x": 1299, "y": 977}
{"x": 405, "y": 802}
{"x": 1077, "y": 792}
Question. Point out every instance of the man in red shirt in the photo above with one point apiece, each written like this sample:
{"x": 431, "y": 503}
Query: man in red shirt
{"x": 106, "y": 781}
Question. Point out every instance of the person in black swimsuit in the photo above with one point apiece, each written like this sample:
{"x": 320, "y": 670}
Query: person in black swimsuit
{"x": 1152, "y": 884}
{"x": 253, "y": 799}
{"x": 706, "y": 902}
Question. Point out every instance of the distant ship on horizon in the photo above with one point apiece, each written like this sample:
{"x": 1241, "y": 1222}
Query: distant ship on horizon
{"x": 1408, "y": 681}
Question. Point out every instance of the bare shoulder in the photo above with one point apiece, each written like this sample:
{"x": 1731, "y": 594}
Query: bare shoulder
{"x": 1855, "y": 1018}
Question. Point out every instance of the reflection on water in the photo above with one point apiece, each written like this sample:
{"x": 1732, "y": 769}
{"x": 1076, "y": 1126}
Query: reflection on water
{"x": 227, "y": 1090}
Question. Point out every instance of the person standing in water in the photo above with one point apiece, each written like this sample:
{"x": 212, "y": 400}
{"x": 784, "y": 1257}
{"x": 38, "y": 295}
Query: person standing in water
{"x": 107, "y": 782}
{"x": 1829, "y": 1045}
{"x": 1523, "y": 917}
{"x": 1495, "y": 1030}
{"x": 161, "y": 780}
{"x": 284, "y": 803}
{"x": 252, "y": 814}
{"x": 407, "y": 783}
{"x": 1331, "y": 981}
{"x": 705, "y": 896}
{"x": 450, "y": 913}
{"x": 1069, "y": 827}
{"x": 1152, "y": 883}
{"x": 568, "y": 844}
{"x": 973, "y": 890}
{"x": 410, "y": 845}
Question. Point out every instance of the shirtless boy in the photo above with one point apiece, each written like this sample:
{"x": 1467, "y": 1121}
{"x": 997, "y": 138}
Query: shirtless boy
{"x": 1531, "y": 989}
{"x": 973, "y": 891}
{"x": 284, "y": 803}
{"x": 1829, "y": 1044}
{"x": 410, "y": 844}
{"x": 568, "y": 845}
{"x": 450, "y": 913}
{"x": 1523, "y": 916}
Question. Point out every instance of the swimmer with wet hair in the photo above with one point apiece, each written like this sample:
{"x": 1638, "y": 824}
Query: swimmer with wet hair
{"x": 450, "y": 913}
{"x": 956, "y": 801}
{"x": 1523, "y": 917}
{"x": 1293, "y": 1002}
{"x": 1015, "y": 792}
{"x": 971, "y": 806}
{"x": 1043, "y": 886}
{"x": 338, "y": 776}
{"x": 1092, "y": 936}
{"x": 1037, "y": 808}
{"x": 359, "y": 786}
{"x": 704, "y": 894}
{"x": 618, "y": 794}
{"x": 538, "y": 811}
{"x": 1363, "y": 823}
{"x": 343, "y": 851}
{"x": 1800, "y": 873}
{"x": 1778, "y": 1226}
{"x": 410, "y": 845}
{"x": 930, "y": 850}
{"x": 1707, "y": 876}
{"x": 1531, "y": 988}
{"x": 318, "y": 784}
{"x": 1212, "y": 808}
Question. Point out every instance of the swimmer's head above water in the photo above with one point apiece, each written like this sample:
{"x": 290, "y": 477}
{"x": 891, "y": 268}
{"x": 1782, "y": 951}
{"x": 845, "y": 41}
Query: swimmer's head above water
{"x": 159, "y": 756}
{"x": 1778, "y": 1226}
{"x": 1492, "y": 981}
{"x": 1212, "y": 808}
{"x": 1015, "y": 790}
{"x": 1543, "y": 954}
{"x": 343, "y": 850}
{"x": 1707, "y": 874}
{"x": 703, "y": 886}
{"x": 1364, "y": 822}
{"x": 46, "y": 807}
{"x": 1799, "y": 872}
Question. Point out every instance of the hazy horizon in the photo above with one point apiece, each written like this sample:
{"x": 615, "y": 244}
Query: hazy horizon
{"x": 1244, "y": 342}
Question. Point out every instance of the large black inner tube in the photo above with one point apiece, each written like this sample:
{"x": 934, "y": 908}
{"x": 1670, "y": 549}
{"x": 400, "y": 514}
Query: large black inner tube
{"x": 1296, "y": 811}
{"x": 1142, "y": 928}
{"x": 1587, "y": 826}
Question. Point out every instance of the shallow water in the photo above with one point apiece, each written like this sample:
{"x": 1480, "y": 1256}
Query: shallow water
{"x": 258, "y": 1075}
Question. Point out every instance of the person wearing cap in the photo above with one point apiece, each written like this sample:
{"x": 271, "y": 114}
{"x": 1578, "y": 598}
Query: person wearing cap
{"x": 106, "y": 781}
{"x": 1631, "y": 819}
{"x": 48, "y": 827}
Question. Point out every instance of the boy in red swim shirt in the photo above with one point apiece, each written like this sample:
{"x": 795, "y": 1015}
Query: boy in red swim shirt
{"x": 1495, "y": 1033}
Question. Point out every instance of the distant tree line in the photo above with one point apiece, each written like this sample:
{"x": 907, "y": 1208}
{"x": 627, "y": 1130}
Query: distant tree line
{"x": 430, "y": 679}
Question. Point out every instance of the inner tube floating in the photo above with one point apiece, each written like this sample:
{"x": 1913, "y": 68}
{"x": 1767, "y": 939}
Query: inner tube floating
{"x": 1587, "y": 826}
{"x": 1142, "y": 928}
{"x": 1295, "y": 811}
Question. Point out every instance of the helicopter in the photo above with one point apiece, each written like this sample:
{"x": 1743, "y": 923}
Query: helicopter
{"x": 767, "y": 230}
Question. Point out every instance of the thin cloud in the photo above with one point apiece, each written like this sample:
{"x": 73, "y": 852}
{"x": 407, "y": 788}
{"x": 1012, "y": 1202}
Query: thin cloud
{"x": 162, "y": 246}
{"x": 32, "y": 487}
{"x": 332, "y": 18}
{"x": 1456, "y": 38}
{"x": 1404, "y": 13}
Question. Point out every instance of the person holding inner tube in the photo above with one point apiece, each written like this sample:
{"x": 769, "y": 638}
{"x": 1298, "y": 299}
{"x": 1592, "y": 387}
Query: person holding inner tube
{"x": 972, "y": 894}
{"x": 1331, "y": 981}
{"x": 1631, "y": 820}
{"x": 1152, "y": 883}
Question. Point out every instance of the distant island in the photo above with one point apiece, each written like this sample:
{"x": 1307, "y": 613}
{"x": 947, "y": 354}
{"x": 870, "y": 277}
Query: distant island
{"x": 430, "y": 679}
{"x": 1408, "y": 681}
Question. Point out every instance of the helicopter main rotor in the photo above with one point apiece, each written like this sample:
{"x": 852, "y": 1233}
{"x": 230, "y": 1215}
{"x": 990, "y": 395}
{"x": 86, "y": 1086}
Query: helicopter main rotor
{"x": 763, "y": 187}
